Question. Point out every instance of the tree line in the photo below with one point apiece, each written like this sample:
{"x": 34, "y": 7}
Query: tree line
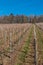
{"x": 21, "y": 19}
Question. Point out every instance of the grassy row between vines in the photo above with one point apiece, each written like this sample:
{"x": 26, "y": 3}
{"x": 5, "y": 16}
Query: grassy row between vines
{"x": 25, "y": 49}
{"x": 40, "y": 39}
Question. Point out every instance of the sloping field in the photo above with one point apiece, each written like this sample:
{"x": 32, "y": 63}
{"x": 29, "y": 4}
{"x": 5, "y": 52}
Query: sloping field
{"x": 21, "y": 44}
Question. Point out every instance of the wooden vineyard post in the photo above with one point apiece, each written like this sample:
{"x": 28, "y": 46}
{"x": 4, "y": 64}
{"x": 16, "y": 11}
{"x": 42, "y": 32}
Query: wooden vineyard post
{"x": 11, "y": 48}
{"x": 36, "y": 54}
{"x": 5, "y": 37}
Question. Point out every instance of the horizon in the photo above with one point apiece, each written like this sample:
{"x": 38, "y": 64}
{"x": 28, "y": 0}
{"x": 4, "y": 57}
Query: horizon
{"x": 25, "y": 7}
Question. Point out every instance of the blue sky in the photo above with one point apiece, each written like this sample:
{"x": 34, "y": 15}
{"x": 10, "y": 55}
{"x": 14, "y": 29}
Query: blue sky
{"x": 26, "y": 7}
